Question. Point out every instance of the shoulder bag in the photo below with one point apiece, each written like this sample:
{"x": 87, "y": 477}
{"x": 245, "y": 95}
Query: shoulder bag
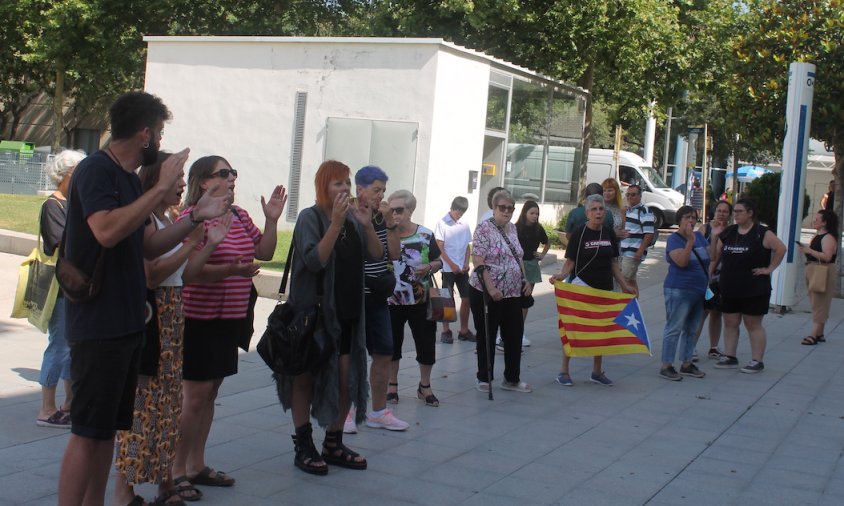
{"x": 440, "y": 305}
{"x": 289, "y": 346}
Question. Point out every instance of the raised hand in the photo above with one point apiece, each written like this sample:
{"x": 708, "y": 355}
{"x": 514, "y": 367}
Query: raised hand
{"x": 211, "y": 205}
{"x": 341, "y": 205}
{"x": 218, "y": 230}
{"x": 275, "y": 205}
{"x": 243, "y": 269}
{"x": 172, "y": 169}
{"x": 362, "y": 212}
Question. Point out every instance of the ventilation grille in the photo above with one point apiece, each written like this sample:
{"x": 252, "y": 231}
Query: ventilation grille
{"x": 296, "y": 156}
{"x": 500, "y": 79}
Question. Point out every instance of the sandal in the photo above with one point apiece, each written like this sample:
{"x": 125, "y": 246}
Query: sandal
{"x": 430, "y": 400}
{"x": 392, "y": 397}
{"x": 335, "y": 452}
{"x": 811, "y": 340}
{"x": 163, "y": 499}
{"x": 186, "y": 490}
{"x": 220, "y": 479}
{"x": 307, "y": 458}
{"x": 820, "y": 338}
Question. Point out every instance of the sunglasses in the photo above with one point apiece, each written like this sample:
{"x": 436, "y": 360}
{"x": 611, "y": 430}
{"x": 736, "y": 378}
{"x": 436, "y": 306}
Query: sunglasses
{"x": 224, "y": 173}
{"x": 397, "y": 210}
{"x": 505, "y": 209}
{"x": 632, "y": 194}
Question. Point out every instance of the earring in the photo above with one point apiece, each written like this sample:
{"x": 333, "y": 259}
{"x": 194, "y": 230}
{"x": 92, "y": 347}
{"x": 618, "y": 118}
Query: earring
{"x": 146, "y": 144}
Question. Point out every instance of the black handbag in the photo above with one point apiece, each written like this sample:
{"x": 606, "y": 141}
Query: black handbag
{"x": 382, "y": 285}
{"x": 289, "y": 345}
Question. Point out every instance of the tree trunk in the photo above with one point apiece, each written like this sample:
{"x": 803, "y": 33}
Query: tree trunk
{"x": 838, "y": 206}
{"x": 58, "y": 110}
{"x": 586, "y": 81}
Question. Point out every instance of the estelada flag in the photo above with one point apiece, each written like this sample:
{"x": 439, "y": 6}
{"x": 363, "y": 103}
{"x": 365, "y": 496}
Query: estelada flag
{"x": 599, "y": 322}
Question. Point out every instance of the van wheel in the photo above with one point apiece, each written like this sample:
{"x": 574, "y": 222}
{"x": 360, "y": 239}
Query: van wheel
{"x": 659, "y": 218}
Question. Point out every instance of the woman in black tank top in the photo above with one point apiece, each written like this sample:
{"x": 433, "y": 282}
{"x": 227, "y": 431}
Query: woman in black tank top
{"x": 711, "y": 230}
{"x": 748, "y": 253}
{"x": 824, "y": 250}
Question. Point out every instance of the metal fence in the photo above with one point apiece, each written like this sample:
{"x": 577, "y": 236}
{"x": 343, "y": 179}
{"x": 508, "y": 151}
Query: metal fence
{"x": 25, "y": 174}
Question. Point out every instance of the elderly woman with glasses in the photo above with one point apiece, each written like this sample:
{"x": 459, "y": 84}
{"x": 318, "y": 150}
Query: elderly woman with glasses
{"x": 215, "y": 308}
{"x": 591, "y": 260}
{"x": 418, "y": 259}
{"x": 499, "y": 283}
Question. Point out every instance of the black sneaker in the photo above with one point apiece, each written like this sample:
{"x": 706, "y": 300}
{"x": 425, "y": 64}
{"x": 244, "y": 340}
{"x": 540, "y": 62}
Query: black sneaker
{"x": 726, "y": 362}
{"x": 468, "y": 336}
{"x": 692, "y": 371}
{"x": 447, "y": 337}
{"x": 753, "y": 367}
{"x": 670, "y": 374}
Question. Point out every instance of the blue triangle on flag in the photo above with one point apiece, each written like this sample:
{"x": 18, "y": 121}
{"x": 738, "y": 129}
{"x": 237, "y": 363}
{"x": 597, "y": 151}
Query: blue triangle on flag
{"x": 631, "y": 319}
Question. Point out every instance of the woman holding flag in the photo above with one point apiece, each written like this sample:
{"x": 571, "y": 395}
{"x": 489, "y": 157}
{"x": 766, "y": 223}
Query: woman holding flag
{"x": 591, "y": 260}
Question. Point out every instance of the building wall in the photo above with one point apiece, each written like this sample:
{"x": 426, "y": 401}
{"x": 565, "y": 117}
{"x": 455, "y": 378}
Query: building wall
{"x": 457, "y": 136}
{"x": 236, "y": 99}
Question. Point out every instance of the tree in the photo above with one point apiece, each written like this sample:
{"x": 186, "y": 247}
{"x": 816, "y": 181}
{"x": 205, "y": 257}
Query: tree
{"x": 626, "y": 53}
{"x": 780, "y": 32}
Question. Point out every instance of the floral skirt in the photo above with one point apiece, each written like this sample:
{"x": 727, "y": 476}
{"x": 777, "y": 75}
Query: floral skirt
{"x": 145, "y": 453}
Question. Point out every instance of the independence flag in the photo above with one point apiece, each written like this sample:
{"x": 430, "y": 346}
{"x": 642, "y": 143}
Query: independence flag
{"x": 598, "y": 322}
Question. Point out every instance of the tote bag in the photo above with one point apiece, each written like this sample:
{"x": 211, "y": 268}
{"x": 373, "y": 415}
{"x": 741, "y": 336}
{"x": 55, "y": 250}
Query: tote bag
{"x": 37, "y": 289}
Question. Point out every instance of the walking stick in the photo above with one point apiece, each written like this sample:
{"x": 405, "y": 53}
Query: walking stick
{"x": 487, "y": 337}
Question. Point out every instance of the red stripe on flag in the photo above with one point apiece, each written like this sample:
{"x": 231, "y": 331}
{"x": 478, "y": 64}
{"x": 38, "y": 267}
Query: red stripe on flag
{"x": 591, "y": 299}
{"x": 594, "y": 315}
{"x": 593, "y": 329}
{"x": 592, "y": 343}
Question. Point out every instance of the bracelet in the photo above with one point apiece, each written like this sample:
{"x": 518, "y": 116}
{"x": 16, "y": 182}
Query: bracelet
{"x": 193, "y": 220}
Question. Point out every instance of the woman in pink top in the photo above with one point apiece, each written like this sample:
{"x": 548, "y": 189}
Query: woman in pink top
{"x": 215, "y": 314}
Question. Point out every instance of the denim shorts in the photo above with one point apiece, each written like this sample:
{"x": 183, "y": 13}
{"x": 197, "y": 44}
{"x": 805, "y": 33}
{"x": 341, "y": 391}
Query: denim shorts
{"x": 379, "y": 332}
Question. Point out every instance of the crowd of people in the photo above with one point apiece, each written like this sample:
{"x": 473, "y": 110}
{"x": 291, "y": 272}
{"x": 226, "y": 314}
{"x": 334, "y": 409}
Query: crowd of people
{"x": 143, "y": 361}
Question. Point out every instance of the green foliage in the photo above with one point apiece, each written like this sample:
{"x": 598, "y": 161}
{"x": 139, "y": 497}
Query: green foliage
{"x": 551, "y": 232}
{"x": 765, "y": 194}
{"x": 561, "y": 223}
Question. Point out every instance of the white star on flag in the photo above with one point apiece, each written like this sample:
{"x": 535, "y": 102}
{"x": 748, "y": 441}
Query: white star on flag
{"x": 632, "y": 321}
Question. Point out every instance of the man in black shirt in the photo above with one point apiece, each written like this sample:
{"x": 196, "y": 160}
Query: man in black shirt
{"x": 106, "y": 215}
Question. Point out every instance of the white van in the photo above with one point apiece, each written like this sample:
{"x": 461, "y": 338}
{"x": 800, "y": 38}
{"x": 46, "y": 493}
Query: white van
{"x": 632, "y": 169}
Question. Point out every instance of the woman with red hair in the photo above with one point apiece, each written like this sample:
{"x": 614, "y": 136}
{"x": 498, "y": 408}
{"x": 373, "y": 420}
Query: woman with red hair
{"x": 331, "y": 241}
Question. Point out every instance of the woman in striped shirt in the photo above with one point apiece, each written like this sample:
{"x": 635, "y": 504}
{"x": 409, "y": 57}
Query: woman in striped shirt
{"x": 215, "y": 313}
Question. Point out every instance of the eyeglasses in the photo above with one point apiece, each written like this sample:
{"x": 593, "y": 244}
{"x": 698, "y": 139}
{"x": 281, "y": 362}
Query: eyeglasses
{"x": 397, "y": 210}
{"x": 505, "y": 209}
{"x": 224, "y": 173}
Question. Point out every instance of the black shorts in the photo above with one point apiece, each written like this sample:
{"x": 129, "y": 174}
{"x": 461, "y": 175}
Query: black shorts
{"x": 211, "y": 348}
{"x": 105, "y": 375}
{"x": 379, "y": 331}
{"x": 751, "y": 306}
{"x": 461, "y": 279}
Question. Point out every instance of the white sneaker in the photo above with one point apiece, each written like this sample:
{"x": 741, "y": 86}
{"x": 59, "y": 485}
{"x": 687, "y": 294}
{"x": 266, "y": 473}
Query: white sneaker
{"x": 521, "y": 386}
{"x": 386, "y": 421}
{"x": 525, "y": 342}
{"x": 482, "y": 386}
{"x": 499, "y": 344}
{"x": 350, "y": 427}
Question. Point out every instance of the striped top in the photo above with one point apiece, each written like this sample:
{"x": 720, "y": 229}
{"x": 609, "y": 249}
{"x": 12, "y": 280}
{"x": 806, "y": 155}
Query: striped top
{"x": 378, "y": 267}
{"x": 640, "y": 221}
{"x": 227, "y": 299}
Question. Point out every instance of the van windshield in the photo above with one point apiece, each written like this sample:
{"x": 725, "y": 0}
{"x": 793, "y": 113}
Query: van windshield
{"x": 653, "y": 176}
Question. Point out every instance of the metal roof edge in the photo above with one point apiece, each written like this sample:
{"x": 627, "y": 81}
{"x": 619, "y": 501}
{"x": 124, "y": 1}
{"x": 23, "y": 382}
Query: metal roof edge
{"x": 449, "y": 46}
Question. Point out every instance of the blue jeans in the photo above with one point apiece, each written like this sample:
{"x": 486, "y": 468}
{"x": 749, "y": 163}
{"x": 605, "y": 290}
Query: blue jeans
{"x": 683, "y": 314}
{"x": 56, "y": 362}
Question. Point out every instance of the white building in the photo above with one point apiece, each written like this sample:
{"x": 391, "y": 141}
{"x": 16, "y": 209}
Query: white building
{"x": 435, "y": 116}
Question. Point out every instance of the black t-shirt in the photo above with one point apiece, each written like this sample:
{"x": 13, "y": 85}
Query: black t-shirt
{"x": 348, "y": 263}
{"x": 597, "y": 251}
{"x": 530, "y": 238}
{"x": 53, "y": 217}
{"x": 817, "y": 245}
{"x": 740, "y": 254}
{"x": 99, "y": 184}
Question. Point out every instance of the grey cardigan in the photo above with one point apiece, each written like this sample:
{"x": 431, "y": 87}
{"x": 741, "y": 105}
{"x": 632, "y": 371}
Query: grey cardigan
{"x": 305, "y": 273}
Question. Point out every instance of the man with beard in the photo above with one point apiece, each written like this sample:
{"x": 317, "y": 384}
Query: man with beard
{"x": 106, "y": 216}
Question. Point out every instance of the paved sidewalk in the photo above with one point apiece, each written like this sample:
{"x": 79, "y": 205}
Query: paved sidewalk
{"x": 770, "y": 438}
